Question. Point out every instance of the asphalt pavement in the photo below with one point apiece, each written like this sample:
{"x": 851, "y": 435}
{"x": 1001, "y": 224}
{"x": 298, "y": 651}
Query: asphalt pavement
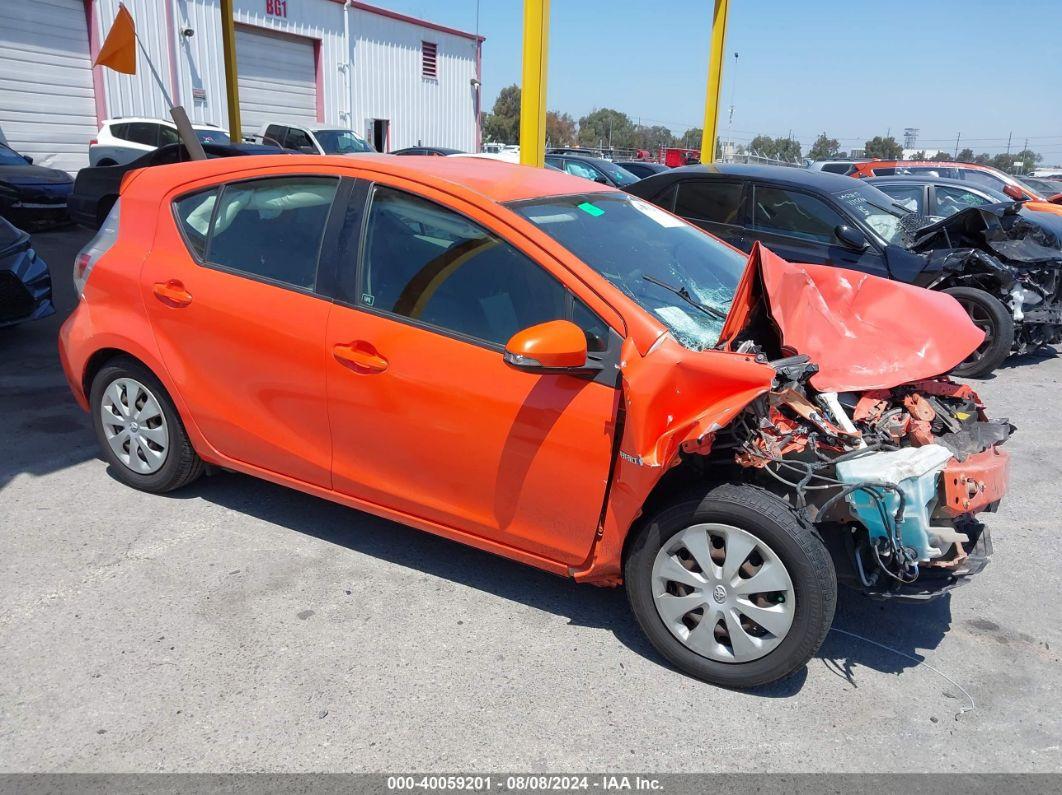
{"x": 239, "y": 626}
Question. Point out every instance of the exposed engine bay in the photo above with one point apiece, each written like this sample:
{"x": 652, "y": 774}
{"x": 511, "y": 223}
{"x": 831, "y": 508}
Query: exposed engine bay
{"x": 896, "y": 475}
{"x": 1008, "y": 251}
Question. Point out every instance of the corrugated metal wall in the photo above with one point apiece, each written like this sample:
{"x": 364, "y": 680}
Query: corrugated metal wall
{"x": 139, "y": 94}
{"x": 388, "y": 84}
{"x": 373, "y": 74}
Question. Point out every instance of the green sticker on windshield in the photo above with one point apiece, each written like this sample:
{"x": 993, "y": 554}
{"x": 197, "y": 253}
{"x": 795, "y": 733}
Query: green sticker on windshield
{"x": 590, "y": 209}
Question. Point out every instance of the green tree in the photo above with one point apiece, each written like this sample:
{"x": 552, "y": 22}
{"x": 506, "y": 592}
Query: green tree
{"x": 965, "y": 156}
{"x": 887, "y": 148}
{"x": 919, "y": 155}
{"x": 560, "y": 129}
{"x": 824, "y": 148}
{"x": 1028, "y": 160}
{"x": 606, "y": 127}
{"x": 942, "y": 157}
{"x": 652, "y": 138}
{"x": 691, "y": 139}
{"x": 776, "y": 148}
{"x": 503, "y": 123}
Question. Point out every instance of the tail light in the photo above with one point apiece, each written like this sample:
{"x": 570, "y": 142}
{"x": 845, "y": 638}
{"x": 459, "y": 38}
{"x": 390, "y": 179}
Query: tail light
{"x": 93, "y": 142}
{"x": 87, "y": 258}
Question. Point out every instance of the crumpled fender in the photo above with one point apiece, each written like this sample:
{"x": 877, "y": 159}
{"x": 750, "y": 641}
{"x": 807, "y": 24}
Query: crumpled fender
{"x": 673, "y": 397}
{"x": 864, "y": 332}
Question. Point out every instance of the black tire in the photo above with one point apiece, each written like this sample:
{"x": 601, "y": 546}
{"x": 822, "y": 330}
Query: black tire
{"x": 182, "y": 464}
{"x": 990, "y": 315}
{"x": 772, "y": 522}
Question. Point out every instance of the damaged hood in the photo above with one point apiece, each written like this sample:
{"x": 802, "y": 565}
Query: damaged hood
{"x": 1012, "y": 232}
{"x": 864, "y": 332}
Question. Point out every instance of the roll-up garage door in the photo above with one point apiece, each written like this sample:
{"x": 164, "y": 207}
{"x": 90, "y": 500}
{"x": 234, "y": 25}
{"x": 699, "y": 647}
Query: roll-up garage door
{"x": 47, "y": 108}
{"x": 277, "y": 78}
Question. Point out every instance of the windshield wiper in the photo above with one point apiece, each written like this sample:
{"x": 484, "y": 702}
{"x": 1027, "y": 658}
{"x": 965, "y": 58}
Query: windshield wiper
{"x": 684, "y": 294}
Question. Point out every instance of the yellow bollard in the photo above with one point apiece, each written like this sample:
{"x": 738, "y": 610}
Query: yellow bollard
{"x": 533, "y": 89}
{"x": 715, "y": 81}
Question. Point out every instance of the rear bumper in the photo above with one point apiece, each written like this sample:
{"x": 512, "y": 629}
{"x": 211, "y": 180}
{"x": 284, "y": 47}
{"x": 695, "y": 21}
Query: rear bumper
{"x": 72, "y": 370}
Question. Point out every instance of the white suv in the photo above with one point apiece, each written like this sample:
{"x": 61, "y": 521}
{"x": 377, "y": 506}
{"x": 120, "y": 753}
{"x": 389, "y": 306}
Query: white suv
{"x": 312, "y": 139}
{"x": 124, "y": 140}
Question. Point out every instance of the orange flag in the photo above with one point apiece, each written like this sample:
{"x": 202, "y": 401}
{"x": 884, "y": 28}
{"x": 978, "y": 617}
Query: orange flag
{"x": 119, "y": 48}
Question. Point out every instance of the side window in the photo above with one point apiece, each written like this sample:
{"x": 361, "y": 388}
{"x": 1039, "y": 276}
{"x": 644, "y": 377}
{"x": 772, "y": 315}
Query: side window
{"x": 910, "y": 196}
{"x": 167, "y": 135}
{"x": 274, "y": 134}
{"x": 142, "y": 132}
{"x": 951, "y": 200}
{"x": 430, "y": 264}
{"x": 193, "y": 216}
{"x": 710, "y": 200}
{"x": 584, "y": 170}
{"x": 271, "y": 228}
{"x": 298, "y": 139}
{"x": 790, "y": 212}
{"x": 883, "y": 172}
{"x": 120, "y": 131}
{"x": 984, "y": 178}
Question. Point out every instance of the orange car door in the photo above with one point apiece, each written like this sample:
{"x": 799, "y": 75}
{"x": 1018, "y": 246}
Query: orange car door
{"x": 229, "y": 287}
{"x": 427, "y": 418}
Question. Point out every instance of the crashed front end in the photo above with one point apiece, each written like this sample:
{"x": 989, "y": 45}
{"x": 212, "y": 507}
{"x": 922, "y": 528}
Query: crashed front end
{"x": 1008, "y": 250}
{"x": 892, "y": 462}
{"x": 893, "y": 478}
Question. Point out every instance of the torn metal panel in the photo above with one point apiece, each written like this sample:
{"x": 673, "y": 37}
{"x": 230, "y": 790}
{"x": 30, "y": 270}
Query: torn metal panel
{"x": 864, "y": 332}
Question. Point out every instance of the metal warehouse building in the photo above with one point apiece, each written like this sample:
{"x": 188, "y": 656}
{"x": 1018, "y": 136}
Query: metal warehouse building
{"x": 394, "y": 79}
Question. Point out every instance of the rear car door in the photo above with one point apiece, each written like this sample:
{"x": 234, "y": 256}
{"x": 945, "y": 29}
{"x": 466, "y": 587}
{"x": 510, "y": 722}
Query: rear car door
{"x": 718, "y": 206}
{"x": 800, "y": 227}
{"x": 230, "y": 287}
{"x": 427, "y": 419}
{"x": 950, "y": 199}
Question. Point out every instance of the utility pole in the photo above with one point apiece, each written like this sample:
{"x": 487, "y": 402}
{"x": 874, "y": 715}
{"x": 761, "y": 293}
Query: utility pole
{"x": 957, "y": 137}
{"x": 1008, "y": 143}
{"x": 232, "y": 91}
{"x": 715, "y": 81}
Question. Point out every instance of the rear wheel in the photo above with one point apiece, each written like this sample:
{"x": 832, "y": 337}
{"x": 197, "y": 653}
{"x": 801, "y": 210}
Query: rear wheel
{"x": 138, "y": 428}
{"x": 731, "y": 586}
{"x": 990, "y": 315}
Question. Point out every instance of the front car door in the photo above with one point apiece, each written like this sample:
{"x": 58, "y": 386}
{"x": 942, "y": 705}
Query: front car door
{"x": 801, "y": 227}
{"x": 912, "y": 196}
{"x": 230, "y": 287}
{"x": 427, "y": 419}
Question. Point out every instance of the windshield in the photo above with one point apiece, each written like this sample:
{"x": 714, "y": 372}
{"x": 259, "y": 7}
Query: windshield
{"x": 681, "y": 275}
{"x": 212, "y": 137}
{"x": 876, "y": 210}
{"x": 9, "y": 157}
{"x": 341, "y": 142}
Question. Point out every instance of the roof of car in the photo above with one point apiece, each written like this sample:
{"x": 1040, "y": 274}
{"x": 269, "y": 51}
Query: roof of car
{"x": 491, "y": 179}
{"x": 820, "y": 180}
{"x": 196, "y": 125}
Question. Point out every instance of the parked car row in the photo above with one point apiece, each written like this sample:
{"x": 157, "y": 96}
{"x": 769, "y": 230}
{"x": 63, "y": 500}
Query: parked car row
{"x": 999, "y": 259}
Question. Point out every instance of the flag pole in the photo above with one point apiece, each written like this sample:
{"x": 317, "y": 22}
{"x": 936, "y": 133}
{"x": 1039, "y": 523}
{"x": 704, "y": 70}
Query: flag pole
{"x": 180, "y": 117}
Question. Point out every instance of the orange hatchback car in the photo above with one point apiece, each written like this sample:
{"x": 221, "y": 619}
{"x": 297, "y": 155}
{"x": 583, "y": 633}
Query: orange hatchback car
{"x": 549, "y": 369}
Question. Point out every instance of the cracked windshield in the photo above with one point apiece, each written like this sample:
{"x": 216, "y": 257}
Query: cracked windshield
{"x": 684, "y": 277}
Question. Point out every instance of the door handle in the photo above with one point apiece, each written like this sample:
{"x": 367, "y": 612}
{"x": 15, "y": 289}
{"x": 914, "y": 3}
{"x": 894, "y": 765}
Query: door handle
{"x": 360, "y": 356}
{"x": 172, "y": 293}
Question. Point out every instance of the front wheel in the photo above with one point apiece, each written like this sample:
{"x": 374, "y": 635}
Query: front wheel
{"x": 990, "y": 315}
{"x": 731, "y": 586}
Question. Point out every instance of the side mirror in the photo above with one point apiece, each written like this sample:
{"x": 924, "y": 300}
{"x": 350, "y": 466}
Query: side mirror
{"x": 1015, "y": 193}
{"x": 556, "y": 346}
{"x": 600, "y": 179}
{"x": 851, "y": 237}
{"x": 28, "y": 159}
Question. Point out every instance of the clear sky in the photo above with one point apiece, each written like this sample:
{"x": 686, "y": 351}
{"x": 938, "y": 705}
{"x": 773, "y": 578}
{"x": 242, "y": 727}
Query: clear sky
{"x": 985, "y": 68}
